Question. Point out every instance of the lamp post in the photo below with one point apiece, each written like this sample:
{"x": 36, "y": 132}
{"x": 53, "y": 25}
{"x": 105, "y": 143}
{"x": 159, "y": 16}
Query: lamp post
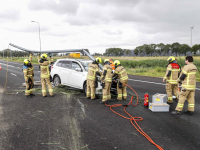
{"x": 39, "y": 32}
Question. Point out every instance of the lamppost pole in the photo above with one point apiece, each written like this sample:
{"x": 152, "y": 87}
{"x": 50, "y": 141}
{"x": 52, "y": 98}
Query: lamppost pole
{"x": 39, "y": 32}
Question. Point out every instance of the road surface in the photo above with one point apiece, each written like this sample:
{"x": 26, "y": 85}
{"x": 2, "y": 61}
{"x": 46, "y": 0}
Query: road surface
{"x": 72, "y": 122}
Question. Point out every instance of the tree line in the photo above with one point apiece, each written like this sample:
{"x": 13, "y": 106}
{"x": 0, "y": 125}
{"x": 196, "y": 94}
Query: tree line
{"x": 158, "y": 49}
{"x": 15, "y": 53}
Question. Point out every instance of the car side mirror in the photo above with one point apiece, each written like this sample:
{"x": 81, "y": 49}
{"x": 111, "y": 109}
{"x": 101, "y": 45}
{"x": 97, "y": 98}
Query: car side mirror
{"x": 78, "y": 69}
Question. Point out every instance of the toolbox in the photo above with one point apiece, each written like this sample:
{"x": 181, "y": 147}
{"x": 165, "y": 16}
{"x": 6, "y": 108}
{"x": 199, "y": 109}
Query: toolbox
{"x": 156, "y": 107}
{"x": 159, "y": 98}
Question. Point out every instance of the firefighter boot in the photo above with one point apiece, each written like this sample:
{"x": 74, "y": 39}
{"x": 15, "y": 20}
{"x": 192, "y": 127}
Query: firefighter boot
{"x": 189, "y": 112}
{"x": 176, "y": 112}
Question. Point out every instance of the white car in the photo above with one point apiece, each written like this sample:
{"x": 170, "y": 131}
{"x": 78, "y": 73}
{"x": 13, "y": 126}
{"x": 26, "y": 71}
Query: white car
{"x": 72, "y": 73}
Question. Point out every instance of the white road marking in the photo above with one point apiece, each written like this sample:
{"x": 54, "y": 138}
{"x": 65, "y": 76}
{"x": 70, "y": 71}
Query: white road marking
{"x": 154, "y": 83}
{"x": 13, "y": 74}
{"x": 38, "y": 71}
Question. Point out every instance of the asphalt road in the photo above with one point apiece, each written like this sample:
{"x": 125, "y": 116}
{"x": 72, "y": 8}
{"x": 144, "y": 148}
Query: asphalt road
{"x": 72, "y": 122}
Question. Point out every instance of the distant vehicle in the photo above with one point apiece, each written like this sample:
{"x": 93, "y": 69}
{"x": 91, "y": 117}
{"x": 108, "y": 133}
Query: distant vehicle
{"x": 72, "y": 73}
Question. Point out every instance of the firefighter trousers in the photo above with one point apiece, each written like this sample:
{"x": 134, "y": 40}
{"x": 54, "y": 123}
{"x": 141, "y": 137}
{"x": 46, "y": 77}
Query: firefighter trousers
{"x": 169, "y": 89}
{"x": 122, "y": 91}
{"x": 91, "y": 89}
{"x": 106, "y": 92}
{"x": 29, "y": 87}
{"x": 190, "y": 98}
{"x": 45, "y": 81}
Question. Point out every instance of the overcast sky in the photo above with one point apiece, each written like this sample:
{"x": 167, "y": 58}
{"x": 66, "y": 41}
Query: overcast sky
{"x": 98, "y": 24}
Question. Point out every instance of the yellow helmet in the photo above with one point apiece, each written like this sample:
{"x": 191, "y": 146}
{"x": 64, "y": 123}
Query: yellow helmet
{"x": 44, "y": 56}
{"x": 117, "y": 62}
{"x": 171, "y": 59}
{"x": 98, "y": 60}
{"x": 105, "y": 60}
{"x": 26, "y": 61}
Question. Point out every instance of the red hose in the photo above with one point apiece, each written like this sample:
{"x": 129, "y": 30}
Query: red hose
{"x": 135, "y": 119}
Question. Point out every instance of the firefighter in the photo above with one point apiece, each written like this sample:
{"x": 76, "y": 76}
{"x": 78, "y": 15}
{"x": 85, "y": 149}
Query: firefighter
{"x": 28, "y": 71}
{"x": 91, "y": 78}
{"x": 106, "y": 77}
{"x": 122, "y": 77}
{"x": 31, "y": 57}
{"x": 171, "y": 76}
{"x": 112, "y": 64}
{"x": 188, "y": 78}
{"x": 45, "y": 74}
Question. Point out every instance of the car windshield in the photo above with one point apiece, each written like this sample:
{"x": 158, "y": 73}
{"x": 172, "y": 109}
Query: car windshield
{"x": 85, "y": 64}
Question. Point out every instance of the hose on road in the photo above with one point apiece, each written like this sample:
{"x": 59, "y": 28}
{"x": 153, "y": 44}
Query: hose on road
{"x": 133, "y": 119}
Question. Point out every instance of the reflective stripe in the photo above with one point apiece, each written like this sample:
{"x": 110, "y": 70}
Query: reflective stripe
{"x": 45, "y": 76}
{"x": 90, "y": 77}
{"x": 189, "y": 87}
{"x": 119, "y": 95}
{"x": 92, "y": 69}
{"x": 31, "y": 90}
{"x": 125, "y": 94}
{"x": 169, "y": 98}
{"x": 44, "y": 66}
{"x": 50, "y": 90}
{"x": 109, "y": 79}
{"x": 175, "y": 69}
{"x": 27, "y": 91}
{"x": 44, "y": 91}
{"x": 172, "y": 81}
{"x": 180, "y": 105}
{"x": 88, "y": 93}
{"x": 191, "y": 105}
{"x": 184, "y": 72}
{"x": 92, "y": 94}
{"x": 105, "y": 97}
{"x": 29, "y": 75}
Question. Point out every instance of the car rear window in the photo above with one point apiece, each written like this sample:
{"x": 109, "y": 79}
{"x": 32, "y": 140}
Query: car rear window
{"x": 59, "y": 64}
{"x": 64, "y": 64}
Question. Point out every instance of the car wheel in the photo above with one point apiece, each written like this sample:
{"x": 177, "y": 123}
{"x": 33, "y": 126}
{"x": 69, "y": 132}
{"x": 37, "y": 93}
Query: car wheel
{"x": 56, "y": 81}
{"x": 85, "y": 89}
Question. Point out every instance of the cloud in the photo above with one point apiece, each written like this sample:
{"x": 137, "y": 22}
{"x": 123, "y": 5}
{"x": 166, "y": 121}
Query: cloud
{"x": 109, "y": 32}
{"x": 9, "y": 15}
{"x": 61, "y": 7}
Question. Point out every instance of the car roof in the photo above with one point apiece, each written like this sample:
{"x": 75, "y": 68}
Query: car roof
{"x": 74, "y": 59}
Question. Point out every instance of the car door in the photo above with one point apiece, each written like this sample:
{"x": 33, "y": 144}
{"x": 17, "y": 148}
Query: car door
{"x": 76, "y": 77}
{"x": 64, "y": 71}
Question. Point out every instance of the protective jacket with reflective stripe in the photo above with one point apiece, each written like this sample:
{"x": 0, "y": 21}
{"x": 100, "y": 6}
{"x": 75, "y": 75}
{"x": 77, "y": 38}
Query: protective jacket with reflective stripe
{"x": 189, "y": 82}
{"x": 29, "y": 72}
{"x": 108, "y": 76}
{"x": 175, "y": 71}
{"x": 93, "y": 68}
{"x": 44, "y": 68}
{"x": 121, "y": 74}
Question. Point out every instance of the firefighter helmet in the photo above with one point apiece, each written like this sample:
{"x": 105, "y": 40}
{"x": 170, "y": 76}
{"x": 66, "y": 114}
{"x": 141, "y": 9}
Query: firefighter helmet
{"x": 171, "y": 59}
{"x": 106, "y": 60}
{"x": 44, "y": 56}
{"x": 98, "y": 60}
{"x": 117, "y": 62}
{"x": 26, "y": 61}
